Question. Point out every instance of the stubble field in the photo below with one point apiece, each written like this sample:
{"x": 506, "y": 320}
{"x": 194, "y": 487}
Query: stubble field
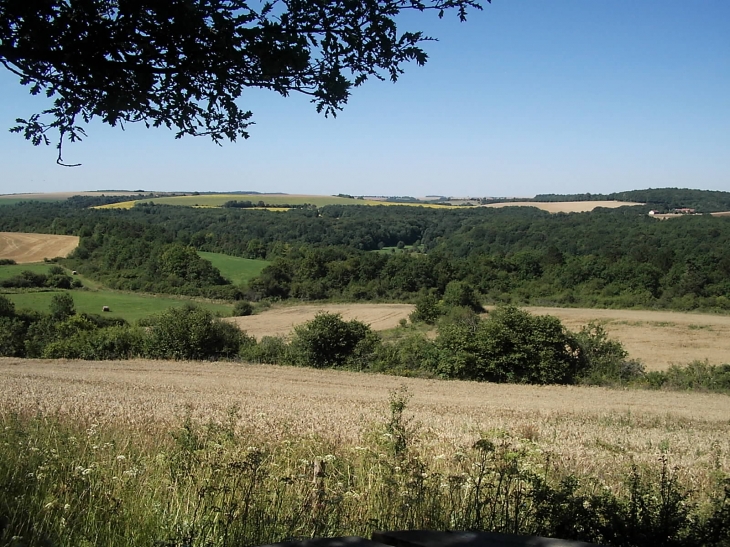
{"x": 564, "y": 206}
{"x": 27, "y": 248}
{"x": 594, "y": 431}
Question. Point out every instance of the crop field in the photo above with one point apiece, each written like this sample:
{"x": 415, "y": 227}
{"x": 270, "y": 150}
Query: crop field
{"x": 595, "y": 431}
{"x": 657, "y": 338}
{"x": 280, "y": 321}
{"x": 25, "y": 248}
{"x": 125, "y": 305}
{"x": 564, "y": 206}
{"x": 217, "y": 200}
{"x": 235, "y": 269}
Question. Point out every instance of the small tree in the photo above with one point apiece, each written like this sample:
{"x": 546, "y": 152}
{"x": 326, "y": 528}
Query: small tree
{"x": 7, "y": 307}
{"x": 427, "y": 309}
{"x": 62, "y": 306}
{"x": 328, "y": 341}
{"x": 463, "y": 294}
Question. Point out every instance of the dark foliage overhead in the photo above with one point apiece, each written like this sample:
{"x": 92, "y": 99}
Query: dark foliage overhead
{"x": 182, "y": 64}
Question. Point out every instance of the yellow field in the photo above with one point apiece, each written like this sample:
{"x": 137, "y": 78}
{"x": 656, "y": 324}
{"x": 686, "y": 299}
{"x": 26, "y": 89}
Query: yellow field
{"x": 564, "y": 206}
{"x": 26, "y": 248}
{"x": 281, "y": 321}
{"x": 657, "y": 338}
{"x": 595, "y": 431}
{"x": 217, "y": 200}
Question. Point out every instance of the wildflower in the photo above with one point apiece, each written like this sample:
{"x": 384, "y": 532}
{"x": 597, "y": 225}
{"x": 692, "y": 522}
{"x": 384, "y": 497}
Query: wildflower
{"x": 86, "y": 471}
{"x": 121, "y": 458}
{"x": 329, "y": 458}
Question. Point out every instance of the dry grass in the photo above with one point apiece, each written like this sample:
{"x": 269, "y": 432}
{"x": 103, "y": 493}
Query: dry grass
{"x": 564, "y": 206}
{"x": 657, "y": 338}
{"x": 281, "y": 321}
{"x": 595, "y": 431}
{"x": 27, "y": 248}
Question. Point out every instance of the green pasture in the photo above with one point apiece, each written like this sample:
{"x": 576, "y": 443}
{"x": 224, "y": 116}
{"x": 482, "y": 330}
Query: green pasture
{"x": 125, "y": 305}
{"x": 11, "y": 270}
{"x": 235, "y": 269}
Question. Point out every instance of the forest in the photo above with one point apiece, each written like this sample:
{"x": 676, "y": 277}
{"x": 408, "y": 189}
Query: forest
{"x": 515, "y": 255}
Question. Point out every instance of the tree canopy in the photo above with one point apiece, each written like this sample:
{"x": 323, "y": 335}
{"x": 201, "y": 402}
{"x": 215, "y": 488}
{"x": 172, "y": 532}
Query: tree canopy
{"x": 183, "y": 64}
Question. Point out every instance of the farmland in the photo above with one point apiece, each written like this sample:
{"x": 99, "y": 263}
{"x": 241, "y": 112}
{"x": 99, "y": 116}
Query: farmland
{"x": 217, "y": 200}
{"x": 25, "y": 248}
{"x": 597, "y": 432}
{"x": 564, "y": 206}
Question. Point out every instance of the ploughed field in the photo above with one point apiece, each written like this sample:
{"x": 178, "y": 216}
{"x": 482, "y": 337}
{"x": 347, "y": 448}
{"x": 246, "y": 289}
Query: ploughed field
{"x": 27, "y": 248}
{"x": 595, "y": 431}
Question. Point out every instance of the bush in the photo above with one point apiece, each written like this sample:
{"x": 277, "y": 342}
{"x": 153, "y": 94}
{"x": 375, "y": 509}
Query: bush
{"x": 327, "y": 341}
{"x": 118, "y": 342}
{"x": 462, "y": 294}
{"x": 271, "y": 350}
{"x": 62, "y": 306}
{"x": 7, "y": 262}
{"x": 192, "y": 333}
{"x": 7, "y": 307}
{"x": 427, "y": 309}
{"x": 242, "y": 308}
{"x": 606, "y": 359}
{"x": 511, "y": 346}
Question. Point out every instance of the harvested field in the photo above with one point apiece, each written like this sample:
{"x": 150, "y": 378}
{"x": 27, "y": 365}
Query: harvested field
{"x": 281, "y": 321}
{"x": 564, "y": 206}
{"x": 596, "y": 431}
{"x": 658, "y": 338}
{"x": 27, "y": 248}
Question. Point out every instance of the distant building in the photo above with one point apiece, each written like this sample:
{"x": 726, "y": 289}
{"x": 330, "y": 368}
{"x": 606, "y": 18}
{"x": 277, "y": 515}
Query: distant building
{"x": 684, "y": 211}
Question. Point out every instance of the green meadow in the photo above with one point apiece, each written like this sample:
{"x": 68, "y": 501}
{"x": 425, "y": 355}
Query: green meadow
{"x": 11, "y": 270}
{"x": 125, "y": 305}
{"x": 235, "y": 269}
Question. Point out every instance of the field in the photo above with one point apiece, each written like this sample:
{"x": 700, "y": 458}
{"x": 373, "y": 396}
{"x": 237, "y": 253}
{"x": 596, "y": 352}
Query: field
{"x": 597, "y": 432}
{"x": 217, "y": 200}
{"x": 25, "y": 248}
{"x": 125, "y": 305}
{"x": 564, "y": 206}
{"x": 10, "y": 270}
{"x": 280, "y": 321}
{"x": 657, "y": 338}
{"x": 235, "y": 269}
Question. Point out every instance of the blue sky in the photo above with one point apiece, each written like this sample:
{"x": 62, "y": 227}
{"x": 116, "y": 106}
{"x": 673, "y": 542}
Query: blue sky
{"x": 526, "y": 97}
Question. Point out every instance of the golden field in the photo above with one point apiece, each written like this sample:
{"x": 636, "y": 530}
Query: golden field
{"x": 564, "y": 206}
{"x": 26, "y": 248}
{"x": 595, "y": 431}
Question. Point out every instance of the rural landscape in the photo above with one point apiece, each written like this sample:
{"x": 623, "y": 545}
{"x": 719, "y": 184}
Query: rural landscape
{"x": 241, "y": 369}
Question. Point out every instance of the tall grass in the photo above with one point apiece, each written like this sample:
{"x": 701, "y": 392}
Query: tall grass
{"x": 216, "y": 484}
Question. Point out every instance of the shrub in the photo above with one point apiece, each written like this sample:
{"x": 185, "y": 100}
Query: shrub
{"x": 427, "y": 309}
{"x": 242, "y": 308}
{"x": 7, "y": 261}
{"x": 193, "y": 333}
{"x": 511, "y": 346}
{"x": 606, "y": 359}
{"x": 118, "y": 342}
{"x": 62, "y": 306}
{"x": 7, "y": 307}
{"x": 462, "y": 294}
{"x": 271, "y": 350}
{"x": 328, "y": 341}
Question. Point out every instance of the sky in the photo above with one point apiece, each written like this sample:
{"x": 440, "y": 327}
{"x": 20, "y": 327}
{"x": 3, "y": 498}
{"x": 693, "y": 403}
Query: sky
{"x": 526, "y": 97}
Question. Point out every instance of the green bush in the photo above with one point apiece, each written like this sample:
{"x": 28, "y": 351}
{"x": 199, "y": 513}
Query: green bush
{"x": 7, "y": 307}
{"x": 271, "y": 350}
{"x": 328, "y": 341}
{"x": 242, "y": 308}
{"x": 606, "y": 359}
{"x": 62, "y": 306}
{"x": 510, "y": 346}
{"x": 118, "y": 342}
{"x": 462, "y": 294}
{"x": 192, "y": 333}
{"x": 427, "y": 309}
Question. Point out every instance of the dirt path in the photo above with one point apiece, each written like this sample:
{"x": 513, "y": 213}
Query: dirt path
{"x": 27, "y": 248}
{"x": 281, "y": 321}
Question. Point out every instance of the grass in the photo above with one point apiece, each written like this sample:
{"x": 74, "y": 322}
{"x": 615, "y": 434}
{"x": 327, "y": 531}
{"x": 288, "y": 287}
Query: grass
{"x": 235, "y": 269}
{"x": 11, "y": 270}
{"x": 125, "y": 305}
{"x": 217, "y": 200}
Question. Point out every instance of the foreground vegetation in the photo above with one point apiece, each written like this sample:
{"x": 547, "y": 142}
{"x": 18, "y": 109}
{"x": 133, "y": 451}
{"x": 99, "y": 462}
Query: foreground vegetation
{"x": 219, "y": 484}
